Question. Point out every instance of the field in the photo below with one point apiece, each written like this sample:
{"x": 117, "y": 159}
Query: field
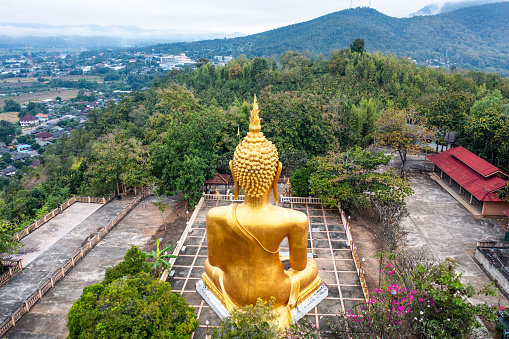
{"x": 92, "y": 78}
{"x": 65, "y": 94}
{"x": 20, "y": 80}
{"x": 9, "y": 116}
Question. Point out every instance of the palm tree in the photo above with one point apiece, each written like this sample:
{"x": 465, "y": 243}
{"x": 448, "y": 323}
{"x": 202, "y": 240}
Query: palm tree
{"x": 161, "y": 258}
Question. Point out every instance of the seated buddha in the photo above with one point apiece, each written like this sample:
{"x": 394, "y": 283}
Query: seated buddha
{"x": 243, "y": 239}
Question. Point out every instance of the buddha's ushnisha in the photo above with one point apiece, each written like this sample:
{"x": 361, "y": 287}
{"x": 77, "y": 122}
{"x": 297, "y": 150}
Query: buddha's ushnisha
{"x": 255, "y": 161}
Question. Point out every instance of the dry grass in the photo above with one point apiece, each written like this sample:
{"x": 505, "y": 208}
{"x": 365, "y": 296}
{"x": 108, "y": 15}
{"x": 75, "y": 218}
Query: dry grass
{"x": 9, "y": 116}
{"x": 65, "y": 94}
{"x": 27, "y": 79}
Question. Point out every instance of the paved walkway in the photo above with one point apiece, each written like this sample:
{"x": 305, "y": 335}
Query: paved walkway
{"x": 441, "y": 224}
{"x": 49, "y": 318}
{"x": 48, "y": 234}
{"x": 23, "y": 284}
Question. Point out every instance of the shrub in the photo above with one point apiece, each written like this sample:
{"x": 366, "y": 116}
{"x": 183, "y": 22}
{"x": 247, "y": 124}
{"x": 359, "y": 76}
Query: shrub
{"x": 254, "y": 322}
{"x": 133, "y": 263}
{"x": 136, "y": 306}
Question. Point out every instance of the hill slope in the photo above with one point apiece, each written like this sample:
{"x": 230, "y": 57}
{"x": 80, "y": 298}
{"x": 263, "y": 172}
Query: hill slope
{"x": 473, "y": 37}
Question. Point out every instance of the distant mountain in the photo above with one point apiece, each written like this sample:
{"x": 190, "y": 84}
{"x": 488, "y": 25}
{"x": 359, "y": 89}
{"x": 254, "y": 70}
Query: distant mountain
{"x": 474, "y": 37}
{"x": 39, "y": 35}
{"x": 444, "y": 7}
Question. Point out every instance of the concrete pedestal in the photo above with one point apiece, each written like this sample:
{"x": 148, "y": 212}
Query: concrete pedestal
{"x": 300, "y": 311}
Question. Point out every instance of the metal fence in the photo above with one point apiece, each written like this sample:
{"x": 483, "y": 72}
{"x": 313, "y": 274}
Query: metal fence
{"x": 60, "y": 273}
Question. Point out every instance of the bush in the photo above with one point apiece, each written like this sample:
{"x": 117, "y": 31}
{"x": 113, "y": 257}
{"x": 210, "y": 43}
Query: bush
{"x": 300, "y": 181}
{"x": 254, "y": 322}
{"x": 136, "y": 306}
{"x": 133, "y": 263}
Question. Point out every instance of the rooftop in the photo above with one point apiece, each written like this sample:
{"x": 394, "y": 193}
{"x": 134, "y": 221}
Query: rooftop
{"x": 474, "y": 174}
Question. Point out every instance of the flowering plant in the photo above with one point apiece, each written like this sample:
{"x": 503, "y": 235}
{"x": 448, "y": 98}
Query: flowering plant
{"x": 302, "y": 330}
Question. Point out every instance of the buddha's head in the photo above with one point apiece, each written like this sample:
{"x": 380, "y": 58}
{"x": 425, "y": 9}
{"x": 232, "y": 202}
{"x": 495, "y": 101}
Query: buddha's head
{"x": 255, "y": 166}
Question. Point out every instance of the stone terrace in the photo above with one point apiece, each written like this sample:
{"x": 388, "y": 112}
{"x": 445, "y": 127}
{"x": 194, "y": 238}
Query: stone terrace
{"x": 334, "y": 259}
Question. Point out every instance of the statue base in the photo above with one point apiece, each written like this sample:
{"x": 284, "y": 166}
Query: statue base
{"x": 300, "y": 310}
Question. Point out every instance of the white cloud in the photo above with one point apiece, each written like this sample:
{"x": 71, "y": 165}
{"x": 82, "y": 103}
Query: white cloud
{"x": 190, "y": 16}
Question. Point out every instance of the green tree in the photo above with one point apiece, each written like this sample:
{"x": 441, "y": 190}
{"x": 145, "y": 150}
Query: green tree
{"x": 137, "y": 306}
{"x": 7, "y": 231}
{"x": 118, "y": 160}
{"x": 134, "y": 262}
{"x": 11, "y": 106}
{"x": 357, "y": 46}
{"x": 7, "y": 131}
{"x": 403, "y": 131}
{"x": 352, "y": 180}
{"x": 161, "y": 206}
{"x": 300, "y": 181}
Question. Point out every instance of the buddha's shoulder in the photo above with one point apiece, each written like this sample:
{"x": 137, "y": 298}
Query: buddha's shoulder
{"x": 295, "y": 216}
{"x": 218, "y": 213}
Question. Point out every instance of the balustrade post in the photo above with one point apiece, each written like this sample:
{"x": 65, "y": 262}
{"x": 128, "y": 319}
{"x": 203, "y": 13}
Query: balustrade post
{"x": 13, "y": 321}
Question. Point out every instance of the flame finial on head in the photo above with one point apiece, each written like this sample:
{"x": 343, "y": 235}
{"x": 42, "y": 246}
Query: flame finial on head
{"x": 255, "y": 121}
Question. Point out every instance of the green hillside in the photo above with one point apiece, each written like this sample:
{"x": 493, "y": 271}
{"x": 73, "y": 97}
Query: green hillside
{"x": 474, "y": 37}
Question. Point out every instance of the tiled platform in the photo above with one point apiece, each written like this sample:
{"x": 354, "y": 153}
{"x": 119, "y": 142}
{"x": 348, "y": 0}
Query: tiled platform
{"x": 334, "y": 259}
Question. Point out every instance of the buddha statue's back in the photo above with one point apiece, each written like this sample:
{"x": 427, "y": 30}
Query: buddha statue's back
{"x": 243, "y": 240}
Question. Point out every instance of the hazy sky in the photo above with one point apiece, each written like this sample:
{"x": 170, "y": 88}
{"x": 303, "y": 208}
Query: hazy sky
{"x": 189, "y": 15}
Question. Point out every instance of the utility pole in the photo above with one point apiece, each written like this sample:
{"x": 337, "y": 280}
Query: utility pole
{"x": 350, "y": 3}
{"x": 369, "y": 4}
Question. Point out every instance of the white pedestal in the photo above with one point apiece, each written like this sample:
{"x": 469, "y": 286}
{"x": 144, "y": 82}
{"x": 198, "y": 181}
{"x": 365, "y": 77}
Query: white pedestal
{"x": 300, "y": 311}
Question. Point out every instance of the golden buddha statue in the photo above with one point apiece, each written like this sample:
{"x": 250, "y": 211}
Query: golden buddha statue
{"x": 243, "y": 239}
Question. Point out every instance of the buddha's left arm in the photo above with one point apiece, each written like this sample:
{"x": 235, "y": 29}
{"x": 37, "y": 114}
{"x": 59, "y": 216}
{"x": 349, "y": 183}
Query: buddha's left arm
{"x": 297, "y": 243}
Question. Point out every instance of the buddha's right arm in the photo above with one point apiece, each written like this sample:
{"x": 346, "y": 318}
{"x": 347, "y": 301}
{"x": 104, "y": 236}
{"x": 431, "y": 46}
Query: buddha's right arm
{"x": 297, "y": 243}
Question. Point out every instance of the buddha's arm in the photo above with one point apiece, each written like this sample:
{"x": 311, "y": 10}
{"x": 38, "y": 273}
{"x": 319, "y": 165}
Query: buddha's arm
{"x": 297, "y": 242}
{"x": 214, "y": 238}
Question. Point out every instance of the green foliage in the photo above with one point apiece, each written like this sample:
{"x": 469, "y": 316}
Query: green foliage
{"x": 119, "y": 160}
{"x": 469, "y": 30}
{"x": 7, "y": 131}
{"x": 137, "y": 306}
{"x": 11, "y": 105}
{"x": 7, "y": 232}
{"x": 425, "y": 300}
{"x": 351, "y": 179}
{"x": 134, "y": 262}
{"x": 503, "y": 194}
{"x": 188, "y": 153}
{"x": 256, "y": 322}
{"x": 160, "y": 258}
{"x": 300, "y": 181}
{"x": 357, "y": 46}
{"x": 403, "y": 130}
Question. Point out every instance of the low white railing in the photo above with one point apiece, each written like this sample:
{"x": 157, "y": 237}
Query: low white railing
{"x": 224, "y": 197}
{"x": 299, "y": 200}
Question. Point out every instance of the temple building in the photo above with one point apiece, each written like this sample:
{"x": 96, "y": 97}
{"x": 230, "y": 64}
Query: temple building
{"x": 474, "y": 179}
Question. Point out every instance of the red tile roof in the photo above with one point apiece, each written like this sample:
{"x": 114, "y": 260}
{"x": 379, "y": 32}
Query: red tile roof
{"x": 476, "y": 163}
{"x": 29, "y": 117}
{"x": 474, "y": 174}
{"x": 43, "y": 135}
{"x": 220, "y": 179}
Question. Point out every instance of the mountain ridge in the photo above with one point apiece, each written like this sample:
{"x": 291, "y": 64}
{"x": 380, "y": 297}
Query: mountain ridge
{"x": 472, "y": 37}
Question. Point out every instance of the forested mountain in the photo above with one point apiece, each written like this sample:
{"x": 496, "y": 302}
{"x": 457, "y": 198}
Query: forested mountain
{"x": 473, "y": 37}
